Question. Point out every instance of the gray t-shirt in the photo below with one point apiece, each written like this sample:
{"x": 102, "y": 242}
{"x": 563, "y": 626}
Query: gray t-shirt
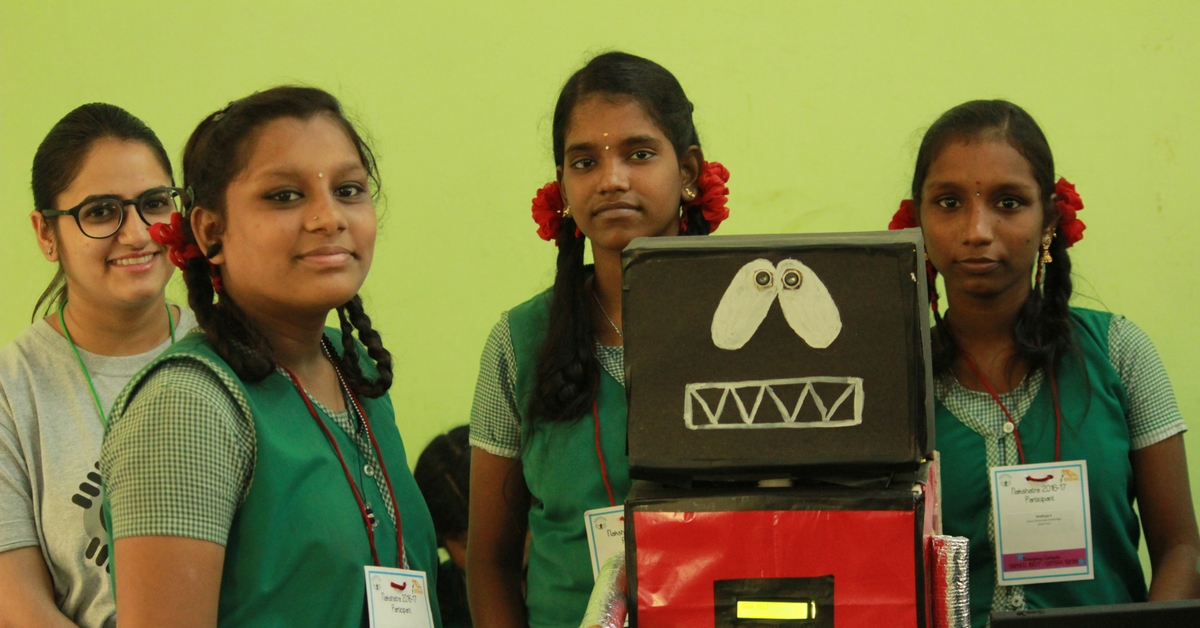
{"x": 50, "y": 435}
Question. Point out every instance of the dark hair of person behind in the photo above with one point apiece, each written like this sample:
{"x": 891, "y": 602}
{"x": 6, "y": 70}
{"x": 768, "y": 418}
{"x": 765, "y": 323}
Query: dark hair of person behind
{"x": 216, "y": 152}
{"x": 567, "y": 372}
{"x": 60, "y": 157}
{"x": 1043, "y": 329}
{"x": 443, "y": 473}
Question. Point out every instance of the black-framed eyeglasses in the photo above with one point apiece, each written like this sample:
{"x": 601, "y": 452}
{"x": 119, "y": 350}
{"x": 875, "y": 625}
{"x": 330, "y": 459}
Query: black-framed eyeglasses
{"x": 101, "y": 217}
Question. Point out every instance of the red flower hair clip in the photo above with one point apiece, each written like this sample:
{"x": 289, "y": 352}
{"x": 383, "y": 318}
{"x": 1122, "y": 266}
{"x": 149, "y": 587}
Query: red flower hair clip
{"x": 905, "y": 217}
{"x": 712, "y": 196}
{"x": 171, "y": 236}
{"x": 1068, "y": 202}
{"x": 548, "y": 212}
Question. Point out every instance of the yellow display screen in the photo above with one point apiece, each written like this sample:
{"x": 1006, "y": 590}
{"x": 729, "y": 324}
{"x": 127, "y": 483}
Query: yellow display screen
{"x": 753, "y": 609}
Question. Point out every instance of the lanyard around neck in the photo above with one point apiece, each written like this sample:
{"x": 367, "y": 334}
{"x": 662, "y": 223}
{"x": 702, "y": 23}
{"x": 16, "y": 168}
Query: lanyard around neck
{"x": 1016, "y": 433}
{"x": 62, "y": 322}
{"x": 362, "y": 507}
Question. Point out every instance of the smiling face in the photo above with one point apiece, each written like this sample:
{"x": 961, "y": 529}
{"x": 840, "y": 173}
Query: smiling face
{"x": 127, "y": 269}
{"x": 620, "y": 175}
{"x": 298, "y": 231}
{"x": 983, "y": 219}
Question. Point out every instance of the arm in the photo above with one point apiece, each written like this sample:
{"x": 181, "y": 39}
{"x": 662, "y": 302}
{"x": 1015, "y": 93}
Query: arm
{"x": 28, "y": 598}
{"x": 1168, "y": 518}
{"x": 171, "y": 514}
{"x": 168, "y": 581}
{"x": 496, "y": 540}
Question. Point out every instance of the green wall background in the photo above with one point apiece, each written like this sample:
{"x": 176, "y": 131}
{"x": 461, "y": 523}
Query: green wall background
{"x": 816, "y": 108}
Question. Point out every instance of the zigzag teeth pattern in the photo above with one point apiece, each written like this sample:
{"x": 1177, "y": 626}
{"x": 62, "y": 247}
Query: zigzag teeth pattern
{"x": 767, "y": 388}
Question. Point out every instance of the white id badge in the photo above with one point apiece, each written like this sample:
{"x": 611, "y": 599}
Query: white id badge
{"x": 1043, "y": 522}
{"x": 397, "y": 598}
{"x": 606, "y": 534}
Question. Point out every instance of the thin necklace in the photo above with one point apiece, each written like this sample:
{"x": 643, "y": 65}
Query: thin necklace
{"x": 610, "y": 320}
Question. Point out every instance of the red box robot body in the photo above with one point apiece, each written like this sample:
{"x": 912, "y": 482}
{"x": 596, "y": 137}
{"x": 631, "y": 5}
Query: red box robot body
{"x": 868, "y": 543}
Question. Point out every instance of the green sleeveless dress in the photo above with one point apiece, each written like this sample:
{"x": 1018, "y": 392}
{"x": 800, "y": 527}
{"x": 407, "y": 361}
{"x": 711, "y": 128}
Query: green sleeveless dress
{"x": 1094, "y": 428}
{"x": 297, "y": 545}
{"x": 562, "y": 472}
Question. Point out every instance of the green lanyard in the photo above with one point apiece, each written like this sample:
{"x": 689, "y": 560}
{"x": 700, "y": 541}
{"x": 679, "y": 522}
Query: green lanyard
{"x": 82, "y": 366}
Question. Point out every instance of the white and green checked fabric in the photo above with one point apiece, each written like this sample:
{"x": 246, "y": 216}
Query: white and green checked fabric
{"x": 180, "y": 460}
{"x": 1153, "y": 413}
{"x": 495, "y": 419}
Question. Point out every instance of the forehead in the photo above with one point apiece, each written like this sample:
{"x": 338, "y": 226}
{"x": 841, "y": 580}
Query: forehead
{"x": 114, "y": 166}
{"x": 983, "y": 161}
{"x": 313, "y": 143}
{"x": 619, "y": 116}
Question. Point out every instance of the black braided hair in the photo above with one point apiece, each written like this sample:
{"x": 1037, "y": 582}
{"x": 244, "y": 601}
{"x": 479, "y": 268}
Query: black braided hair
{"x": 216, "y": 152}
{"x": 1042, "y": 333}
{"x": 567, "y": 372}
{"x": 61, "y": 156}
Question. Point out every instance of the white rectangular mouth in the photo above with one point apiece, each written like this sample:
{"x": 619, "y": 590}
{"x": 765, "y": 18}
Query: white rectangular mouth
{"x": 769, "y": 409}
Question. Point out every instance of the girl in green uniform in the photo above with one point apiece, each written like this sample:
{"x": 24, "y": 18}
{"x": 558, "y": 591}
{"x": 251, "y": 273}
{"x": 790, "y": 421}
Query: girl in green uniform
{"x": 254, "y": 469}
{"x": 1023, "y": 378}
{"x": 548, "y": 422}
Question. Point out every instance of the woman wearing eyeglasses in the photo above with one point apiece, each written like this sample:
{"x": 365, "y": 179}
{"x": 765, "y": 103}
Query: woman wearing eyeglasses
{"x": 100, "y": 179}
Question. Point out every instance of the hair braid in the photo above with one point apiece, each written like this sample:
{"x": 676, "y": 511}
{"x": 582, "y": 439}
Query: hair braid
{"x": 231, "y": 334}
{"x": 353, "y": 317}
{"x": 566, "y": 367}
{"x": 1056, "y": 303}
{"x": 697, "y": 224}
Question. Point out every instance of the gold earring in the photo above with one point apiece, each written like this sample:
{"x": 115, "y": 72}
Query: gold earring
{"x": 691, "y": 194}
{"x": 567, "y": 211}
{"x": 1046, "y": 259}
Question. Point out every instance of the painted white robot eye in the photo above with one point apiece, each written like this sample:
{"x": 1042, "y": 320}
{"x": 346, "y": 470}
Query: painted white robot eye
{"x": 792, "y": 279}
{"x": 807, "y": 305}
{"x": 744, "y": 305}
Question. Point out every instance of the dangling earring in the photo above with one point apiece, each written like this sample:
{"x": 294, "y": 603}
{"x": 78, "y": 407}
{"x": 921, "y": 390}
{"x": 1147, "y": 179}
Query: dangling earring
{"x": 1044, "y": 258}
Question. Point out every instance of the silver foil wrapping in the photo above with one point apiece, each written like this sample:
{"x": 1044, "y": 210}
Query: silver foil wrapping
{"x": 951, "y": 590}
{"x": 606, "y": 607}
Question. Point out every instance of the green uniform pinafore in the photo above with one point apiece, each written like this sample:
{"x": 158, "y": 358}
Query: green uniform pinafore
{"x": 297, "y": 544}
{"x": 1094, "y": 428}
{"x": 562, "y": 472}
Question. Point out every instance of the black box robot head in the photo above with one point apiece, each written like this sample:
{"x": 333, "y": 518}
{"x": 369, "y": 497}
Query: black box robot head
{"x": 767, "y": 356}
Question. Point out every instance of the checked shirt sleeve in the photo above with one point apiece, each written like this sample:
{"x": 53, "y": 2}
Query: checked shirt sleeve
{"x": 178, "y": 461}
{"x": 495, "y": 417}
{"x": 1153, "y": 412}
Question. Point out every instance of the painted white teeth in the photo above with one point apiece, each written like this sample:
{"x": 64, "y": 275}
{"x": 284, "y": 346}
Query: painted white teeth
{"x": 131, "y": 261}
{"x": 806, "y": 303}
